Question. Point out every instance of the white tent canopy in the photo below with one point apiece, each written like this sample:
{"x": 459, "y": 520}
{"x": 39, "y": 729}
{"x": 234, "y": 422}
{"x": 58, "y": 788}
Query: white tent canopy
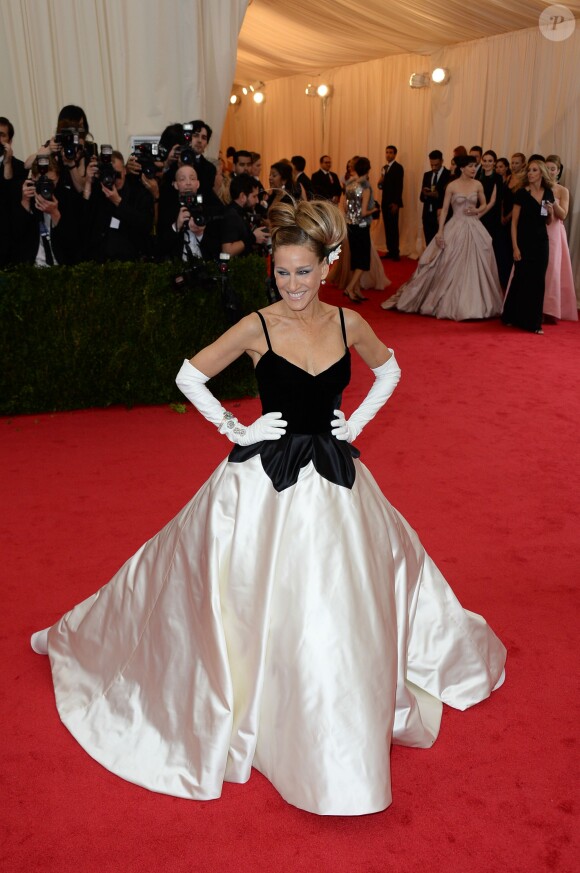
{"x": 282, "y": 38}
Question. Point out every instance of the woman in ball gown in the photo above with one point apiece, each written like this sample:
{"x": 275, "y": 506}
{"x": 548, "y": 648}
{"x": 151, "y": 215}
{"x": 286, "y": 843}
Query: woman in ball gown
{"x": 288, "y": 617}
{"x": 341, "y": 272}
{"x": 532, "y": 211}
{"x": 457, "y": 274}
{"x": 560, "y": 295}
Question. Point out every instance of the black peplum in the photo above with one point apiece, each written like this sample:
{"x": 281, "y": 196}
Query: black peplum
{"x": 307, "y": 403}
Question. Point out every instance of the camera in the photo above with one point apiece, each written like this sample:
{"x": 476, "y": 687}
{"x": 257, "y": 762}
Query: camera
{"x": 68, "y": 138}
{"x": 187, "y": 156}
{"x": 106, "y": 172}
{"x": 43, "y": 186}
{"x": 147, "y": 153}
{"x": 90, "y": 150}
{"x": 194, "y": 205}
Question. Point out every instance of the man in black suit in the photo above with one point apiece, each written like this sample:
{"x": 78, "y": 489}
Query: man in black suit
{"x": 299, "y": 164}
{"x": 326, "y": 184}
{"x": 179, "y": 236}
{"x": 476, "y": 152}
{"x": 432, "y": 192}
{"x": 391, "y": 185}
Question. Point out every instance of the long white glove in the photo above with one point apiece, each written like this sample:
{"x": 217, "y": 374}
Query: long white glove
{"x": 386, "y": 379}
{"x": 268, "y": 427}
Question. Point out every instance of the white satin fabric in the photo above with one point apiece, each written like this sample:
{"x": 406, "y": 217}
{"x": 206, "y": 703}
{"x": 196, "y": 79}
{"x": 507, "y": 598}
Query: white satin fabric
{"x": 297, "y": 632}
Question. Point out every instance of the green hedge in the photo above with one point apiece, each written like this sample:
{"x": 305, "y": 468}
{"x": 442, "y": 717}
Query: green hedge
{"x": 96, "y": 335}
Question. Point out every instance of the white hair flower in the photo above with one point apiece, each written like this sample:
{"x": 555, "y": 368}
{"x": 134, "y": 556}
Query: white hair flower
{"x": 334, "y": 255}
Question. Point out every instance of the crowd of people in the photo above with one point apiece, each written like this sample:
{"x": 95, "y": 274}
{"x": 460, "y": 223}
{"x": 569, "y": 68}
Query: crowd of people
{"x": 72, "y": 201}
{"x": 485, "y": 236}
{"x": 496, "y": 242}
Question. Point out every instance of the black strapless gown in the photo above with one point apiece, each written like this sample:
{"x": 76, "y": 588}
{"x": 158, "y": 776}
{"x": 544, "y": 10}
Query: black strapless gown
{"x": 287, "y": 618}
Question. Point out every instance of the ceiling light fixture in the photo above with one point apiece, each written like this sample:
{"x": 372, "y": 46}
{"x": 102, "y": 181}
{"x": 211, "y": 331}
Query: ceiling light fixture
{"x": 323, "y": 90}
{"x": 259, "y": 97}
{"x": 419, "y": 80}
{"x": 440, "y": 76}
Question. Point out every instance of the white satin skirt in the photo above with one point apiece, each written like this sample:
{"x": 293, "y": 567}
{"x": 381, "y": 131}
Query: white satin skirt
{"x": 298, "y": 632}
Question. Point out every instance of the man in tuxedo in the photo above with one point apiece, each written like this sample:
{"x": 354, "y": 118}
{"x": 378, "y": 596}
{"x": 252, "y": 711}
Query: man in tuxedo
{"x": 325, "y": 183}
{"x": 476, "y": 152}
{"x": 391, "y": 185}
{"x": 432, "y": 192}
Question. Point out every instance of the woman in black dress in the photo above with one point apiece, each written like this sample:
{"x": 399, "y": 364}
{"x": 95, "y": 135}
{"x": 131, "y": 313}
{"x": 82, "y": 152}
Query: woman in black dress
{"x": 532, "y": 211}
{"x": 492, "y": 188}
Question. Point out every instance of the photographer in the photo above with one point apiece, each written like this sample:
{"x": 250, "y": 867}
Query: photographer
{"x": 117, "y": 212}
{"x": 69, "y": 145}
{"x": 238, "y": 238}
{"x": 11, "y": 174}
{"x": 45, "y": 222}
{"x": 191, "y": 233}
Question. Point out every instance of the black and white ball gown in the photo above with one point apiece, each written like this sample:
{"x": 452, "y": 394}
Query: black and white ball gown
{"x": 287, "y": 618}
{"x": 460, "y": 281}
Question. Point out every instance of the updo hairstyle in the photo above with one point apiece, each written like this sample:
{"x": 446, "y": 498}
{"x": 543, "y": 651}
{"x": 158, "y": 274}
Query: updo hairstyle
{"x": 318, "y": 225}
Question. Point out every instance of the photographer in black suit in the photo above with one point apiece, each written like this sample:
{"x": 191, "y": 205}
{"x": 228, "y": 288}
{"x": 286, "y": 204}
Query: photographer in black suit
{"x": 190, "y": 233}
{"x": 432, "y": 193}
{"x": 238, "y": 235}
{"x": 117, "y": 212}
{"x": 391, "y": 185}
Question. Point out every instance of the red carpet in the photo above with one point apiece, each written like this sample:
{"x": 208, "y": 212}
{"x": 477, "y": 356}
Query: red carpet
{"x": 480, "y": 454}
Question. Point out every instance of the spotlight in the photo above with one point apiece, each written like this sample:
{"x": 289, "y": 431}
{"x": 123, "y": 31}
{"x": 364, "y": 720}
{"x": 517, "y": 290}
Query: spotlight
{"x": 235, "y": 99}
{"x": 259, "y": 97}
{"x": 323, "y": 90}
{"x": 244, "y": 91}
{"x": 310, "y": 90}
{"x": 419, "y": 80}
{"x": 440, "y": 76}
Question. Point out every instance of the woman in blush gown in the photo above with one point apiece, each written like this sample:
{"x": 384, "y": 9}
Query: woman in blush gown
{"x": 288, "y": 618}
{"x": 457, "y": 273}
{"x": 559, "y": 296}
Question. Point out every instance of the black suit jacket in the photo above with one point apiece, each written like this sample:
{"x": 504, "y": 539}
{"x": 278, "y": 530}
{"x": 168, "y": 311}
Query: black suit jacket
{"x": 326, "y": 185}
{"x": 441, "y": 185}
{"x": 306, "y": 183}
{"x": 391, "y": 185}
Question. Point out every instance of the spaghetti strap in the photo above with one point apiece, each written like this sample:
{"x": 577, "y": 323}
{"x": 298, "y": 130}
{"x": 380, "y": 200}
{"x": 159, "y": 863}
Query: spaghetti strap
{"x": 341, "y": 313}
{"x": 263, "y": 320}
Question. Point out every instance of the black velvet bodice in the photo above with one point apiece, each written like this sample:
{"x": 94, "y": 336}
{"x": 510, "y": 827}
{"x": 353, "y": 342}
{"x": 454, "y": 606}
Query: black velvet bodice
{"x": 307, "y": 403}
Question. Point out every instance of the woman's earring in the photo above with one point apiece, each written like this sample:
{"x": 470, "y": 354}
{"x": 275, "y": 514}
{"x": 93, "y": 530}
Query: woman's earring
{"x": 323, "y": 282}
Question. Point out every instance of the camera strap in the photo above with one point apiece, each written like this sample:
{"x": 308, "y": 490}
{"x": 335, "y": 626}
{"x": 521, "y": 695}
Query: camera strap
{"x": 190, "y": 255}
{"x": 46, "y": 243}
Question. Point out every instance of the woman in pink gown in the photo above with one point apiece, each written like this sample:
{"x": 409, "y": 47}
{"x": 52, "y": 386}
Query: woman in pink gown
{"x": 560, "y": 295}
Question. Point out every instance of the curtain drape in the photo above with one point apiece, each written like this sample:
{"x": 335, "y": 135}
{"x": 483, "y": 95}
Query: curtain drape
{"x": 513, "y": 92}
{"x": 134, "y": 66}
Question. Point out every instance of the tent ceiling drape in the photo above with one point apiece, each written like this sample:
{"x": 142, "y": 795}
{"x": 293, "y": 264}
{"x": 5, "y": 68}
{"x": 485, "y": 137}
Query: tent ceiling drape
{"x": 285, "y": 37}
